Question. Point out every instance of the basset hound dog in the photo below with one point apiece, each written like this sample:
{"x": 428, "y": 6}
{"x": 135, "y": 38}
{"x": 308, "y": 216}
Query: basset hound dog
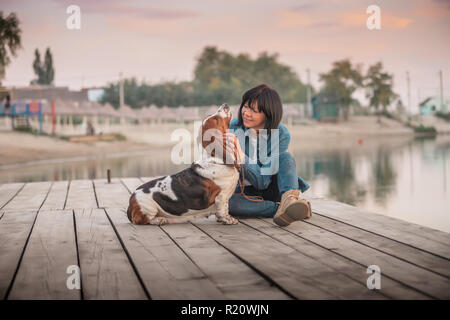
{"x": 198, "y": 191}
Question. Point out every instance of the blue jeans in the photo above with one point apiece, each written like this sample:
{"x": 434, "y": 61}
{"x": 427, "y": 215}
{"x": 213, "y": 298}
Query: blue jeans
{"x": 286, "y": 179}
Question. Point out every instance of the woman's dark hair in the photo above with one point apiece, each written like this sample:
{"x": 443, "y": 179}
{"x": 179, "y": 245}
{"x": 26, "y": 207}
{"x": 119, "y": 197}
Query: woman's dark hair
{"x": 269, "y": 103}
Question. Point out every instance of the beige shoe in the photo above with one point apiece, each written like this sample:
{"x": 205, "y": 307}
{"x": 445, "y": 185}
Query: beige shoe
{"x": 292, "y": 208}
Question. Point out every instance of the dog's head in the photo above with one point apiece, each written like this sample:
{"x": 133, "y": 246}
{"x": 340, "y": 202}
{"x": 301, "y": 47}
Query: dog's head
{"x": 211, "y": 134}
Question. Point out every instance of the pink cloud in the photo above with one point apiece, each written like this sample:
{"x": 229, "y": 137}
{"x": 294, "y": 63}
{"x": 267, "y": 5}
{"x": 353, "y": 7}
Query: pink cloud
{"x": 114, "y": 7}
{"x": 388, "y": 21}
{"x": 294, "y": 19}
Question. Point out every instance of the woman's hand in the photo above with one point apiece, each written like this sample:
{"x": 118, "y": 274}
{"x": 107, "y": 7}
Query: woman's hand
{"x": 232, "y": 142}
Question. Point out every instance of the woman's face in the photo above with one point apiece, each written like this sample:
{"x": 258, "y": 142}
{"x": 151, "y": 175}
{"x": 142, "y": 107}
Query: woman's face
{"x": 252, "y": 117}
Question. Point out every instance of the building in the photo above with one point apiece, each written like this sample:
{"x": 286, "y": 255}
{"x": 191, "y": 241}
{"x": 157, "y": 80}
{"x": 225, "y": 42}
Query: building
{"x": 49, "y": 93}
{"x": 432, "y": 105}
{"x": 326, "y": 107}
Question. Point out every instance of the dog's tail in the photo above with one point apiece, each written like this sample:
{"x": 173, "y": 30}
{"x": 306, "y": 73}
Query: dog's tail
{"x": 130, "y": 208}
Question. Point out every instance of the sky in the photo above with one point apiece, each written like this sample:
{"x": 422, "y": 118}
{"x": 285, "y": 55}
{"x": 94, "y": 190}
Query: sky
{"x": 160, "y": 40}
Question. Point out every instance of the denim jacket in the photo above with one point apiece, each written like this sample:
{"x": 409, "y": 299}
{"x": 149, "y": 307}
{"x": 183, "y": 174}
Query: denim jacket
{"x": 256, "y": 173}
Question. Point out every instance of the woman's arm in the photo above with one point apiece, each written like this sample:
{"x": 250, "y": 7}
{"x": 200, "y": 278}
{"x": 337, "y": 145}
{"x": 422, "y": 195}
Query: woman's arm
{"x": 260, "y": 175}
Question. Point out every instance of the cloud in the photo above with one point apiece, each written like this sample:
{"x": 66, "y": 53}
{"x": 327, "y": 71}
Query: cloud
{"x": 388, "y": 21}
{"x": 286, "y": 19}
{"x": 114, "y": 7}
{"x": 433, "y": 9}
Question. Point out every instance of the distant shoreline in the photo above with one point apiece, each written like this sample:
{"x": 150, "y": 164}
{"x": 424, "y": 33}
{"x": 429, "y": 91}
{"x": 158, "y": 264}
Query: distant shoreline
{"x": 22, "y": 149}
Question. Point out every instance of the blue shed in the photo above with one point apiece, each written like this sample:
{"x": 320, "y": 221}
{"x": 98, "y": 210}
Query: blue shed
{"x": 326, "y": 107}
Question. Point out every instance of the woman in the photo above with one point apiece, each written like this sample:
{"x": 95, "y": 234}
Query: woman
{"x": 261, "y": 109}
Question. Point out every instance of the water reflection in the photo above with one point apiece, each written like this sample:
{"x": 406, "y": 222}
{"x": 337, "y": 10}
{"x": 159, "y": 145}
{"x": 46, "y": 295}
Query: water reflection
{"x": 402, "y": 177}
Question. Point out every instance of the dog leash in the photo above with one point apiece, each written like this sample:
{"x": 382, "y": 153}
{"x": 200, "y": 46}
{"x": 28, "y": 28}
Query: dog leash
{"x": 241, "y": 186}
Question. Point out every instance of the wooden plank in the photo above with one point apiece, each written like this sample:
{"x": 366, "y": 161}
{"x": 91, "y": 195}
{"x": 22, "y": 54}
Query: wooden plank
{"x": 131, "y": 183}
{"x": 390, "y": 288}
{"x": 234, "y": 278}
{"x": 105, "y": 269}
{"x": 427, "y": 282}
{"x": 8, "y": 191}
{"x": 15, "y": 226}
{"x": 81, "y": 195}
{"x": 30, "y": 197}
{"x": 147, "y": 179}
{"x": 111, "y": 195}
{"x": 50, "y": 251}
{"x": 57, "y": 196}
{"x": 163, "y": 267}
{"x": 421, "y": 258}
{"x": 295, "y": 272}
{"x": 430, "y": 240}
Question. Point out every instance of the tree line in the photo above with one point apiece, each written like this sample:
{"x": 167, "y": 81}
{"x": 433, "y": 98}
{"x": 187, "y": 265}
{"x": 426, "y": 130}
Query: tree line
{"x": 219, "y": 77}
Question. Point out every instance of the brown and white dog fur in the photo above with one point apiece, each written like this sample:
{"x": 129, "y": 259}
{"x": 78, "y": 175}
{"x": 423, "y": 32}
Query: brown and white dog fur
{"x": 198, "y": 191}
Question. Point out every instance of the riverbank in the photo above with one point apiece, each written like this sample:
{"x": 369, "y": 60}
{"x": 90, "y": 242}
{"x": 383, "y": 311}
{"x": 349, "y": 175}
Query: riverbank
{"x": 21, "y": 148}
{"x": 18, "y": 148}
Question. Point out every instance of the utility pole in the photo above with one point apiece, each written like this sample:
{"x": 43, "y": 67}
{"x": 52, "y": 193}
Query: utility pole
{"x": 442, "y": 92}
{"x": 409, "y": 92}
{"x": 308, "y": 93}
{"x": 121, "y": 97}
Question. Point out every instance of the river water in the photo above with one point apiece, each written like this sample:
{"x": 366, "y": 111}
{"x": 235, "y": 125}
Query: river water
{"x": 403, "y": 177}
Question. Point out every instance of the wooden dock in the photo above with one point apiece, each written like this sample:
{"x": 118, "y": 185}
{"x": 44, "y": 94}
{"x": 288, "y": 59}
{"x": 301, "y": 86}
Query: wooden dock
{"x": 46, "y": 227}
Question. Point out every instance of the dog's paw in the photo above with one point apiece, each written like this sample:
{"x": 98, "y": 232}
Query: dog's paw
{"x": 228, "y": 220}
{"x": 159, "y": 221}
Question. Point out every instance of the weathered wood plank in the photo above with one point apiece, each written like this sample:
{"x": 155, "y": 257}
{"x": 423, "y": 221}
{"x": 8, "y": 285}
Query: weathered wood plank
{"x": 421, "y": 258}
{"x": 234, "y": 278}
{"x": 427, "y": 282}
{"x": 433, "y": 241}
{"x": 131, "y": 183}
{"x": 8, "y": 191}
{"x": 81, "y": 195}
{"x": 15, "y": 226}
{"x": 147, "y": 179}
{"x": 295, "y": 272}
{"x": 50, "y": 251}
{"x": 390, "y": 288}
{"x": 57, "y": 196}
{"x": 30, "y": 197}
{"x": 165, "y": 270}
{"x": 111, "y": 195}
{"x": 105, "y": 269}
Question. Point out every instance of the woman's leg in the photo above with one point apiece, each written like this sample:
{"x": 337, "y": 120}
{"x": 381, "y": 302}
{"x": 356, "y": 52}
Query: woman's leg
{"x": 287, "y": 178}
{"x": 239, "y": 206}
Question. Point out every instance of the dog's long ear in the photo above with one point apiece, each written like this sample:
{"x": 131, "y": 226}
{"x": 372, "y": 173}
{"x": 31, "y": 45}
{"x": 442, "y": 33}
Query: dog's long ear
{"x": 236, "y": 162}
{"x": 237, "y": 165}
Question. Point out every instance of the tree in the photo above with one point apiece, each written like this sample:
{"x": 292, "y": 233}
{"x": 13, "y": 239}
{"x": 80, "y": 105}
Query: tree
{"x": 49, "y": 71}
{"x": 44, "y": 71}
{"x": 342, "y": 80}
{"x": 10, "y": 40}
{"x": 37, "y": 67}
{"x": 378, "y": 86}
{"x": 219, "y": 77}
